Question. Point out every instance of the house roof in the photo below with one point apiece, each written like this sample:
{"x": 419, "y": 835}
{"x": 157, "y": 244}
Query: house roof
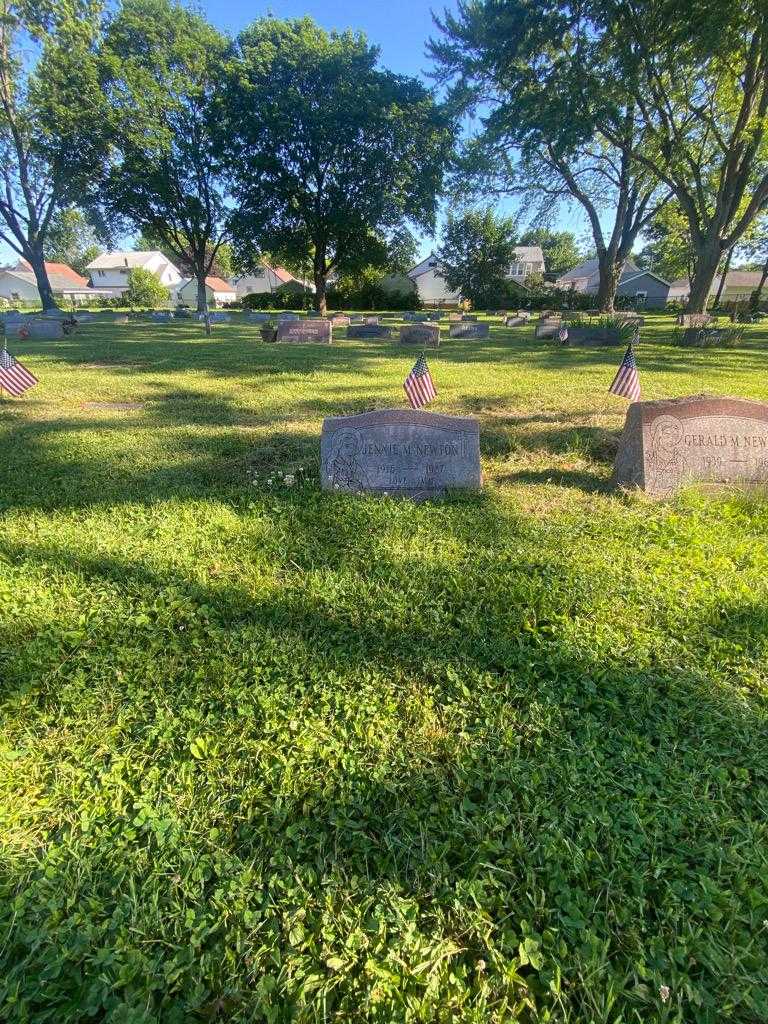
{"x": 62, "y": 269}
{"x": 58, "y": 282}
{"x": 742, "y": 278}
{"x": 529, "y": 253}
{"x": 219, "y": 284}
{"x": 120, "y": 259}
{"x": 627, "y": 277}
{"x": 591, "y": 267}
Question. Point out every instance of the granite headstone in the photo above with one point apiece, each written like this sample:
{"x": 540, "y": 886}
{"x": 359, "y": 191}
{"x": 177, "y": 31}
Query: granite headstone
{"x": 405, "y": 452}
{"x": 369, "y": 331}
{"x": 425, "y": 335}
{"x": 701, "y": 438}
{"x": 304, "y": 332}
{"x": 469, "y": 330}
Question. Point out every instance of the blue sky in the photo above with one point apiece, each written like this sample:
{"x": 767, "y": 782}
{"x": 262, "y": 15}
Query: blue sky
{"x": 400, "y": 28}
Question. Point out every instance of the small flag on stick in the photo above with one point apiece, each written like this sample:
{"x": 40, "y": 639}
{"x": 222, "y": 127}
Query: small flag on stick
{"x": 418, "y": 384}
{"x": 562, "y": 335}
{"x": 15, "y": 378}
{"x": 626, "y": 383}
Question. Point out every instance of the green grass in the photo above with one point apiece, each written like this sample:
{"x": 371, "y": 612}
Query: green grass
{"x": 273, "y": 755}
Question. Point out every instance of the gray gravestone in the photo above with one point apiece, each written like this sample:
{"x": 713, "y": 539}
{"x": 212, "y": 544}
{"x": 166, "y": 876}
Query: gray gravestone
{"x": 424, "y": 335}
{"x": 593, "y": 336}
{"x": 42, "y": 330}
{"x": 469, "y": 330}
{"x": 404, "y": 452}
{"x": 469, "y": 318}
{"x": 547, "y": 327}
{"x": 339, "y": 320}
{"x": 369, "y": 331}
{"x": 515, "y": 321}
{"x": 258, "y": 318}
{"x": 670, "y": 443}
{"x": 302, "y": 332}
{"x": 288, "y": 317}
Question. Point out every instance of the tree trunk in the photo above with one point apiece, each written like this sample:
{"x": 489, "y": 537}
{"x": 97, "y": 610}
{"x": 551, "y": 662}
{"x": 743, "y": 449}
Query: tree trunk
{"x": 35, "y": 259}
{"x": 707, "y": 261}
{"x": 723, "y": 276}
{"x": 320, "y": 303}
{"x": 202, "y": 301}
{"x": 609, "y": 277}
{"x": 759, "y": 289}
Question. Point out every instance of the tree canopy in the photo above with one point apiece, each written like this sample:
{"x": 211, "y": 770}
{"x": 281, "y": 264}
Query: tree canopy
{"x": 54, "y": 124}
{"x": 475, "y": 254}
{"x": 329, "y": 153}
{"x": 162, "y": 73}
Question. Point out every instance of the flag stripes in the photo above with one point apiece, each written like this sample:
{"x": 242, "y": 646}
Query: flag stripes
{"x": 626, "y": 383}
{"x": 418, "y": 384}
{"x": 14, "y": 377}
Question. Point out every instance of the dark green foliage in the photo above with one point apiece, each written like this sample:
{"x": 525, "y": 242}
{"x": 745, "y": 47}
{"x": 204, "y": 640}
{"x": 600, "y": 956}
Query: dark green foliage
{"x": 144, "y": 290}
{"x": 476, "y": 253}
{"x": 340, "y": 155}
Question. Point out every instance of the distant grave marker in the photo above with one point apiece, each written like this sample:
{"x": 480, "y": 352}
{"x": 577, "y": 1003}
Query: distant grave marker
{"x": 469, "y": 330}
{"x": 369, "y": 331}
{"x": 424, "y": 335}
{"x": 303, "y": 332}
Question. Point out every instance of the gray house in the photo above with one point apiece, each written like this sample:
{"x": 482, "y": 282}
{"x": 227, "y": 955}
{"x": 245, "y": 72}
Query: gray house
{"x": 645, "y": 286}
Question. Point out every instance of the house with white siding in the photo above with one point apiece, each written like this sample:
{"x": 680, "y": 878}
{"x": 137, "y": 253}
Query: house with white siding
{"x": 19, "y": 286}
{"x": 265, "y": 279}
{"x": 111, "y": 269}
{"x": 217, "y": 291}
{"x": 433, "y": 290}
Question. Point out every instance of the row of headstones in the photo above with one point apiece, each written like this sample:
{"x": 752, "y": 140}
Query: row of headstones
{"x": 665, "y": 445}
{"x": 422, "y": 334}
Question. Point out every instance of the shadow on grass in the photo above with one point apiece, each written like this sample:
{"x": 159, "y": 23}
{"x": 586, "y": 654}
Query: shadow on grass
{"x": 420, "y": 762}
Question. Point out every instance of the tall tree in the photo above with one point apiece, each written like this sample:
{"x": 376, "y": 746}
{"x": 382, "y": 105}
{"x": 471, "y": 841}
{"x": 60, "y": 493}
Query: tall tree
{"x": 698, "y": 74}
{"x": 668, "y": 250}
{"x": 53, "y": 123}
{"x": 475, "y": 254}
{"x": 163, "y": 68}
{"x": 560, "y": 248}
{"x": 329, "y": 153}
{"x": 537, "y": 74}
{"x": 222, "y": 266}
{"x": 72, "y": 239}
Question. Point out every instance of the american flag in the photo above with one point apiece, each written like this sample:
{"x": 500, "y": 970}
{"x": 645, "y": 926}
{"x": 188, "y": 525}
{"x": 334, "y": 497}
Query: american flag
{"x": 562, "y": 335}
{"x": 418, "y": 384}
{"x": 626, "y": 383}
{"x": 15, "y": 378}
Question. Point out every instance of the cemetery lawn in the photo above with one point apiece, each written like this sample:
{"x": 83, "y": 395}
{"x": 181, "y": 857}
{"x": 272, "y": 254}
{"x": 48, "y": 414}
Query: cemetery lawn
{"x": 270, "y": 755}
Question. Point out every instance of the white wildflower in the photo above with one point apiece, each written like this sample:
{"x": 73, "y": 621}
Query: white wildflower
{"x": 664, "y": 993}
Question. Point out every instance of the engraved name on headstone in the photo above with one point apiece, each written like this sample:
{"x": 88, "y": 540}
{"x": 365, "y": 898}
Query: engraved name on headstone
{"x": 469, "y": 330}
{"x": 405, "y": 452}
{"x": 424, "y": 335}
{"x": 304, "y": 331}
{"x": 703, "y": 438}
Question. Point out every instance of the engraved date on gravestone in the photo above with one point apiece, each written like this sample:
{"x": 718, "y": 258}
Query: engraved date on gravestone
{"x": 403, "y": 452}
{"x": 700, "y": 438}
